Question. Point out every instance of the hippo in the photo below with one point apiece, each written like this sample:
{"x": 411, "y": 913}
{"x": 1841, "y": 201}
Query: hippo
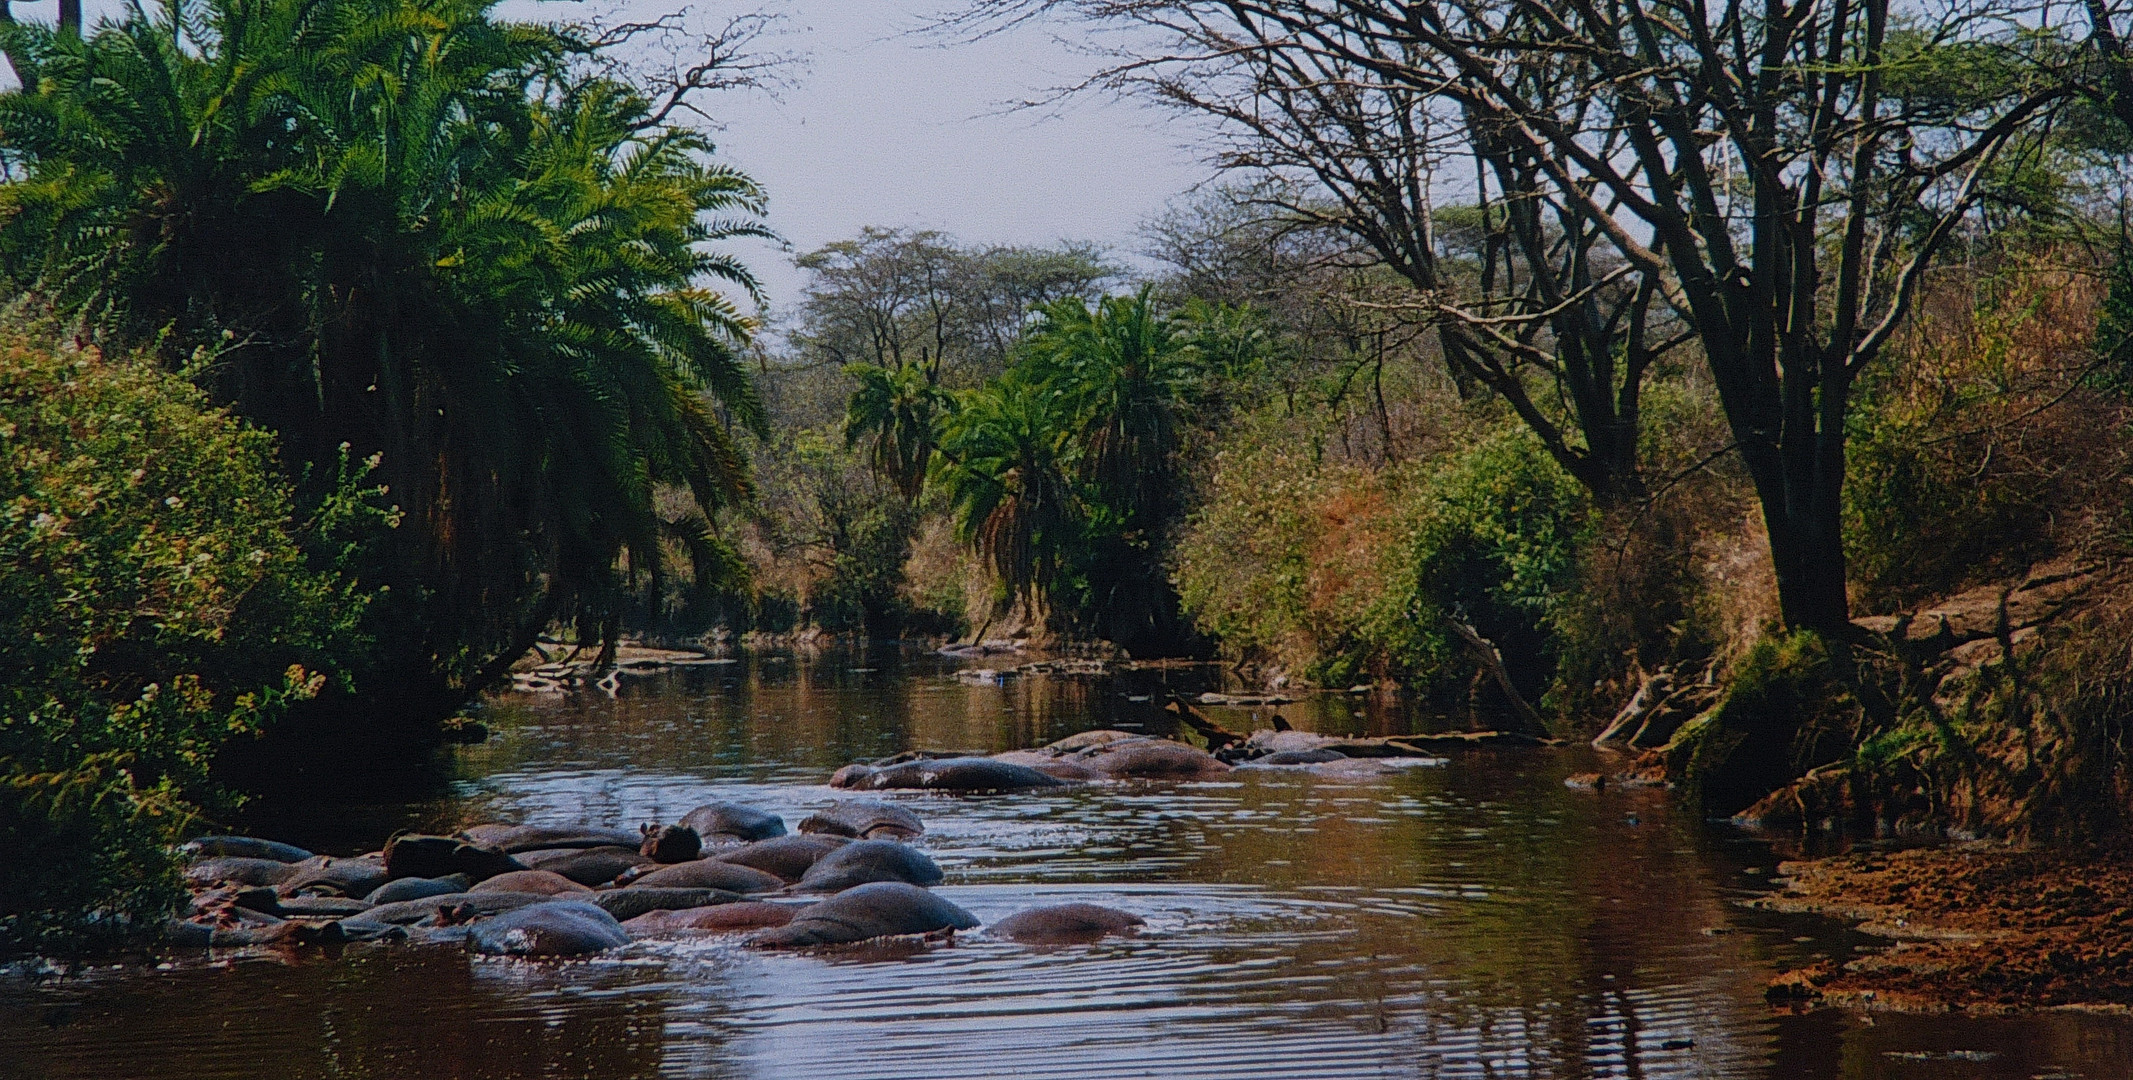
{"x": 724, "y": 918}
{"x": 1049, "y": 765}
{"x": 323, "y": 875}
{"x": 512, "y": 839}
{"x": 1086, "y": 739}
{"x": 786, "y": 856}
{"x": 630, "y": 903}
{"x": 555, "y": 928}
{"x": 1065, "y": 924}
{"x": 180, "y": 934}
{"x": 239, "y": 870}
{"x": 415, "y": 888}
{"x": 443, "y": 856}
{"x": 964, "y": 774}
{"x": 443, "y": 910}
{"x": 545, "y": 882}
{"x": 877, "y": 909}
{"x": 586, "y": 866}
{"x": 1150, "y": 759}
{"x": 1300, "y": 757}
{"x": 320, "y": 907}
{"x": 733, "y": 823}
{"x": 671, "y": 844}
{"x": 864, "y": 819}
{"x": 867, "y": 861}
{"x": 707, "y": 874}
{"x": 244, "y": 847}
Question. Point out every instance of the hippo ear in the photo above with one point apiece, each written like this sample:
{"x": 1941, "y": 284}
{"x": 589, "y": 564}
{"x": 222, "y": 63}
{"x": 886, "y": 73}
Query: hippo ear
{"x": 647, "y": 829}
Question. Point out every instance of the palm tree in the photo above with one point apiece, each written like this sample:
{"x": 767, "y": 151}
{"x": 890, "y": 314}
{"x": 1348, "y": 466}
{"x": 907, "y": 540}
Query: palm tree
{"x": 1002, "y": 463}
{"x": 1124, "y": 368}
{"x": 406, "y": 227}
{"x": 899, "y": 408}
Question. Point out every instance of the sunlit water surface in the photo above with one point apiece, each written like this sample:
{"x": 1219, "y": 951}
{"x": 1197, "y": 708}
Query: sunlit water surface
{"x": 1474, "y": 919}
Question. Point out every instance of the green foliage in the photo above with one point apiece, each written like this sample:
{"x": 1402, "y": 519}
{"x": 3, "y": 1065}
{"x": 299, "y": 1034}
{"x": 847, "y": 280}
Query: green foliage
{"x": 1063, "y": 472}
{"x": 156, "y": 601}
{"x": 1763, "y": 733}
{"x": 423, "y": 232}
{"x": 1347, "y": 572}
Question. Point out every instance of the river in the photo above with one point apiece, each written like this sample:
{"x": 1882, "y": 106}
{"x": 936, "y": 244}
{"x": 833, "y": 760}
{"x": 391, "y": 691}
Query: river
{"x": 1471, "y": 919}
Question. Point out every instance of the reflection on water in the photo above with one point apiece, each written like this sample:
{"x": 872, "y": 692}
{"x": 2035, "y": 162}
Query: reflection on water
{"x": 1476, "y": 919}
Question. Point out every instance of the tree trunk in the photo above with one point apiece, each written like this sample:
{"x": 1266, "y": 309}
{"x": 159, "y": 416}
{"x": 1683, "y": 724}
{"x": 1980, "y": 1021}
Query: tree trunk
{"x": 70, "y": 17}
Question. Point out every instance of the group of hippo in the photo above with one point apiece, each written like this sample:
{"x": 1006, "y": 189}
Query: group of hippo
{"x": 528, "y": 890}
{"x": 1101, "y": 755}
{"x": 539, "y": 891}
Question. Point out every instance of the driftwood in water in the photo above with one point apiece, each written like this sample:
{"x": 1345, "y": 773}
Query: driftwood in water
{"x": 1492, "y": 662}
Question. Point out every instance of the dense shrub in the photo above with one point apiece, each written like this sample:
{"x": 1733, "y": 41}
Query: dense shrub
{"x": 155, "y": 602}
{"x": 1339, "y": 571}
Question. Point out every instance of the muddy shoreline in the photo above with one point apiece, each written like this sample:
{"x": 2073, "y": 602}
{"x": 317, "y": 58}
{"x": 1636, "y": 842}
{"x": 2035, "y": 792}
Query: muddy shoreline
{"x": 1980, "y": 927}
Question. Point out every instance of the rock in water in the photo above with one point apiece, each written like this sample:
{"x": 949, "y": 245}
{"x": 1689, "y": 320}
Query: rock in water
{"x": 868, "y": 861}
{"x": 880, "y": 909}
{"x": 555, "y": 928}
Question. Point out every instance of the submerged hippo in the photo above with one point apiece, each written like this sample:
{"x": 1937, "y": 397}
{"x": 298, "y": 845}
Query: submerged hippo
{"x": 181, "y": 934}
{"x": 724, "y": 918}
{"x": 671, "y": 844}
{"x": 880, "y": 909}
{"x": 512, "y": 839}
{"x": 239, "y": 870}
{"x": 864, "y": 819}
{"x": 555, "y": 928}
{"x": 1065, "y": 924}
{"x": 1150, "y": 759}
{"x": 443, "y": 856}
{"x": 869, "y": 861}
{"x": 1049, "y": 765}
{"x": 415, "y": 888}
{"x": 962, "y": 774}
{"x": 244, "y": 847}
{"x": 446, "y": 910}
{"x": 787, "y": 857}
{"x": 1300, "y": 757}
{"x": 325, "y": 875}
{"x": 708, "y": 874}
{"x": 626, "y": 904}
{"x": 732, "y": 822}
{"x": 544, "y": 882}
{"x": 586, "y": 866}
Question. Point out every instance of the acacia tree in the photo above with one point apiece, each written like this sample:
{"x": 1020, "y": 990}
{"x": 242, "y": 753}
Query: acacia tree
{"x": 1776, "y": 175}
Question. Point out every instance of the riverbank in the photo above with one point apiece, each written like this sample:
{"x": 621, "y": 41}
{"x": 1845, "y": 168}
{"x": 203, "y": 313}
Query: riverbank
{"x": 1980, "y": 927}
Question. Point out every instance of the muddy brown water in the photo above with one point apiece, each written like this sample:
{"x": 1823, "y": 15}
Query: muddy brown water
{"x": 1474, "y": 919}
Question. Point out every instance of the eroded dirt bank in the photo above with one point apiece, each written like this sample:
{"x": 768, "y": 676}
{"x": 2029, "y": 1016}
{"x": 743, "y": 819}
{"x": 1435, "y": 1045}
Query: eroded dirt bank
{"x": 1977, "y": 927}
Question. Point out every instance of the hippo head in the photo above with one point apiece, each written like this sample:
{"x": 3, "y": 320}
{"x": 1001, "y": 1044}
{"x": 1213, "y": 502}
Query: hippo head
{"x": 670, "y": 843}
{"x": 850, "y": 776}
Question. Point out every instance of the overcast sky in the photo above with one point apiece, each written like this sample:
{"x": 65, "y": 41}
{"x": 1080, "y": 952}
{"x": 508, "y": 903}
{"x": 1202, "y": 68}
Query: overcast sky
{"x": 883, "y": 128}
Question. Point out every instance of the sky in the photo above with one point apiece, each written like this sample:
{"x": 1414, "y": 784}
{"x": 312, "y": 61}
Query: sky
{"x": 880, "y": 126}
{"x": 883, "y": 127}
